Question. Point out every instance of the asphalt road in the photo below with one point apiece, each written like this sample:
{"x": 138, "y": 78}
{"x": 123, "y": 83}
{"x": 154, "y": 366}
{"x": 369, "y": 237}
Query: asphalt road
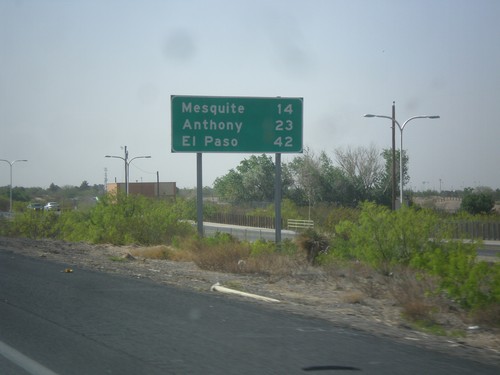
{"x": 490, "y": 249}
{"x": 247, "y": 233}
{"x": 52, "y": 322}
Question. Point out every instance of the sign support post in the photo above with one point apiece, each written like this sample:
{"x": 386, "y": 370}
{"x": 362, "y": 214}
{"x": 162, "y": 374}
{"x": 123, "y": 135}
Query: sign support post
{"x": 277, "y": 199}
{"x": 199, "y": 193}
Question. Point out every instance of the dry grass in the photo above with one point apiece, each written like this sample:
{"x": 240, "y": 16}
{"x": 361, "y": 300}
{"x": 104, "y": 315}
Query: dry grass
{"x": 274, "y": 265}
{"x": 415, "y": 294}
{"x": 353, "y": 297}
{"x": 223, "y": 258}
{"x": 366, "y": 279}
{"x": 162, "y": 252}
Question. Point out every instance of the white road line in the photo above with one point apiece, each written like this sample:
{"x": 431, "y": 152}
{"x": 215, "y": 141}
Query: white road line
{"x": 22, "y": 361}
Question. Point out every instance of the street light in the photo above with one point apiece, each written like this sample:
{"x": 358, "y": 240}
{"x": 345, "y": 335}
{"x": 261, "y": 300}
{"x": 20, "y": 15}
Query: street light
{"x": 127, "y": 165}
{"x": 11, "y": 163}
{"x": 401, "y": 128}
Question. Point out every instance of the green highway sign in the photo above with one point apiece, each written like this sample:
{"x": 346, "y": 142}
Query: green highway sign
{"x": 236, "y": 124}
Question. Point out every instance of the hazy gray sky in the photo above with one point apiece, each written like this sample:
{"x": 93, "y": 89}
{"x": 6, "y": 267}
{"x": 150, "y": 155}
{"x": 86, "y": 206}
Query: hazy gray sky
{"x": 81, "y": 79}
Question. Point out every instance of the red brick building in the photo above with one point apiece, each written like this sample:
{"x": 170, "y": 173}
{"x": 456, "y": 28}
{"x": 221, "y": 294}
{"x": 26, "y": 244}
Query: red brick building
{"x": 148, "y": 189}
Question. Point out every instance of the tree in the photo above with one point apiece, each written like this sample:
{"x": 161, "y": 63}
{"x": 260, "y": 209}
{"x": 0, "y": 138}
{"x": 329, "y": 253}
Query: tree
{"x": 477, "y": 202}
{"x": 257, "y": 178}
{"x": 384, "y": 196}
{"x": 84, "y": 185}
{"x": 305, "y": 173}
{"x": 229, "y": 187}
{"x": 363, "y": 169}
{"x": 361, "y": 165}
{"x": 253, "y": 180}
{"x": 316, "y": 179}
{"x": 53, "y": 188}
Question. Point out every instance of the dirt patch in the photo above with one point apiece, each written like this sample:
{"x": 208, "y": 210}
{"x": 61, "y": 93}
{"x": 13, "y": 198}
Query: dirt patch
{"x": 347, "y": 300}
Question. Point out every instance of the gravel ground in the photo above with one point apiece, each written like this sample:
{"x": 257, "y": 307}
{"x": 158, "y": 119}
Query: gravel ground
{"x": 346, "y": 300}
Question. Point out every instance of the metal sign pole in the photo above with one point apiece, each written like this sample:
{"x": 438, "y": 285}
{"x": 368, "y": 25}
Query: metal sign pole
{"x": 277, "y": 198}
{"x": 199, "y": 193}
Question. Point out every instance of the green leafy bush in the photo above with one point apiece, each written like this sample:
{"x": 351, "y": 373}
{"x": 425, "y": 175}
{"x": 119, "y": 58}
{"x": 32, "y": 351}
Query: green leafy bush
{"x": 34, "y": 225}
{"x": 117, "y": 220}
{"x": 384, "y": 238}
{"x": 473, "y": 284}
{"x": 421, "y": 240}
{"x": 261, "y": 247}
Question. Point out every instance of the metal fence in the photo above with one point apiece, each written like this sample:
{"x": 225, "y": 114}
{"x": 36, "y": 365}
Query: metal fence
{"x": 478, "y": 230}
{"x": 247, "y": 233}
{"x": 242, "y": 220}
{"x": 486, "y": 230}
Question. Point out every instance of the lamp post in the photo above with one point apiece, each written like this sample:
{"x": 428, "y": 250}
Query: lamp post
{"x": 401, "y": 128}
{"x": 11, "y": 163}
{"x": 127, "y": 165}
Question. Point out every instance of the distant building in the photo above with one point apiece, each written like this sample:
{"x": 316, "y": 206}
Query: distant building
{"x": 148, "y": 189}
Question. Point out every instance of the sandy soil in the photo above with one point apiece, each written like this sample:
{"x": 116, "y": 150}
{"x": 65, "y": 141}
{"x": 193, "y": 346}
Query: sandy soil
{"x": 347, "y": 300}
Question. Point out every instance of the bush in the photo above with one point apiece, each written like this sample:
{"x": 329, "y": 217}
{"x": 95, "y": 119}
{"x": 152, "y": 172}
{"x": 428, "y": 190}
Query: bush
{"x": 418, "y": 239}
{"x": 117, "y": 220}
{"x": 312, "y": 244}
{"x": 34, "y": 225}
{"x": 478, "y": 203}
{"x": 339, "y": 214}
{"x": 261, "y": 247}
{"x": 384, "y": 238}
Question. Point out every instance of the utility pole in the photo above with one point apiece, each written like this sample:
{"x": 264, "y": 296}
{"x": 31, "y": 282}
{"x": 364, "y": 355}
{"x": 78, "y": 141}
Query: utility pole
{"x": 11, "y": 163}
{"x": 394, "y": 156}
{"x": 127, "y": 164}
{"x": 126, "y": 171}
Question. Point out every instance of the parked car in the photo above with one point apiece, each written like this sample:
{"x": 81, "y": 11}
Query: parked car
{"x": 35, "y": 206}
{"x": 52, "y": 206}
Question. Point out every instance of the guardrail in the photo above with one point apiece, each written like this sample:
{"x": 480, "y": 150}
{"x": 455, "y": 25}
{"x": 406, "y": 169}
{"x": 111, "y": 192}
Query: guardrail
{"x": 293, "y": 224}
{"x": 247, "y": 233}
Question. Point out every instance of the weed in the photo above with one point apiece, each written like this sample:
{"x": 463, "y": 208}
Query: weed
{"x": 353, "y": 297}
{"x": 153, "y": 252}
{"x": 234, "y": 284}
{"x": 429, "y": 327}
{"x": 415, "y": 294}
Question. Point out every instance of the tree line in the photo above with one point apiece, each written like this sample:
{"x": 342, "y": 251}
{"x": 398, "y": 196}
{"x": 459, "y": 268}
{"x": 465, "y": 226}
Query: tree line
{"x": 354, "y": 176}
{"x": 359, "y": 174}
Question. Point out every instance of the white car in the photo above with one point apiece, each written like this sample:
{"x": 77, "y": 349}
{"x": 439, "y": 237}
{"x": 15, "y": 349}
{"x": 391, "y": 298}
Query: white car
{"x": 52, "y": 206}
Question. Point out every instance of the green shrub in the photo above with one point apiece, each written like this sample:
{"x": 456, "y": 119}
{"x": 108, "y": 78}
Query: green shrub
{"x": 419, "y": 239}
{"x": 34, "y": 225}
{"x": 117, "y": 220}
{"x": 384, "y": 238}
{"x": 340, "y": 214}
{"x": 261, "y": 247}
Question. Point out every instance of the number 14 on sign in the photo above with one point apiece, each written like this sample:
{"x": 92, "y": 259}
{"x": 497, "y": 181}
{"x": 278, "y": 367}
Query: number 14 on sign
{"x": 285, "y": 109}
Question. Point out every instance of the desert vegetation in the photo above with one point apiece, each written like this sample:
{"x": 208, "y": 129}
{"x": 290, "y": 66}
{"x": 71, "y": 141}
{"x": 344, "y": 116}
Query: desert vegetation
{"x": 410, "y": 252}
